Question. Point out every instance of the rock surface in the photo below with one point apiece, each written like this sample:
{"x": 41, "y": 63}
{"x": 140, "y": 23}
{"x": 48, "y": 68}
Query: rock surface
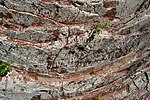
{"x": 75, "y": 49}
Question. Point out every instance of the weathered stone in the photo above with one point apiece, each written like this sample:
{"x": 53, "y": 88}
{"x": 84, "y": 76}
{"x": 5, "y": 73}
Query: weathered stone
{"x": 56, "y": 51}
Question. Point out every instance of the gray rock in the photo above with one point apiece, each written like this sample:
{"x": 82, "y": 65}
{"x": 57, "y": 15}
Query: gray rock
{"x": 75, "y": 49}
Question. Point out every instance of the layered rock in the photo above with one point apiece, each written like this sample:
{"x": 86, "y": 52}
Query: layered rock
{"x": 62, "y": 49}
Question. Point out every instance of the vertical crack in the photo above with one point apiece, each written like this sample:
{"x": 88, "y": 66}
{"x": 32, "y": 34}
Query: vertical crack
{"x": 143, "y": 5}
{"x": 147, "y": 78}
{"x": 91, "y": 36}
{"x": 135, "y": 85}
{"x": 128, "y": 88}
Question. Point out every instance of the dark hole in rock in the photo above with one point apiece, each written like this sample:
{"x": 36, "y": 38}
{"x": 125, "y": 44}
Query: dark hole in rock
{"x": 35, "y": 65}
{"x": 37, "y": 97}
{"x": 2, "y": 2}
{"x": 8, "y": 26}
{"x": 81, "y": 48}
{"x": 72, "y": 51}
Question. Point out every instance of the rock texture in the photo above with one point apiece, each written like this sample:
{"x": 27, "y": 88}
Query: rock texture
{"x": 60, "y": 49}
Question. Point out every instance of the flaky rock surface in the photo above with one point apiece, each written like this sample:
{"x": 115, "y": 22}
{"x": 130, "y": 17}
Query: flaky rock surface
{"x": 62, "y": 49}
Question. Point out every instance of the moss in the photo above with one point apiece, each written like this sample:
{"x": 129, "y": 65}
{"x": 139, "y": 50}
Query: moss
{"x": 101, "y": 25}
{"x": 4, "y": 68}
{"x": 96, "y": 98}
{"x": 97, "y": 26}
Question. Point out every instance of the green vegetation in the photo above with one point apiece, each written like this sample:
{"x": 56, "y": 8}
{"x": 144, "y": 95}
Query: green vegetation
{"x": 97, "y": 26}
{"x": 97, "y": 98}
{"x": 101, "y": 25}
{"x": 4, "y": 68}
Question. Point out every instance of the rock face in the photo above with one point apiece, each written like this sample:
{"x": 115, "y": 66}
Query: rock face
{"x": 75, "y": 49}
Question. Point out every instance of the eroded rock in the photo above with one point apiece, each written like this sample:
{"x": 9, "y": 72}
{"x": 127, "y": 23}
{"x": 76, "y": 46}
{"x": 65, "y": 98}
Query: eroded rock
{"x": 57, "y": 53}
